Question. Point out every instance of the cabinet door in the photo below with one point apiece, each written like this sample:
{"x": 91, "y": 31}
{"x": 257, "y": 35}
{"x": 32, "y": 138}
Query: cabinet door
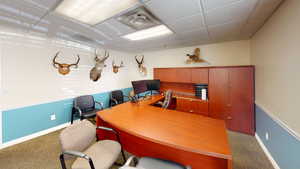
{"x": 183, "y": 75}
{"x": 218, "y": 92}
{"x": 165, "y": 74}
{"x": 183, "y": 104}
{"x": 241, "y": 97}
{"x": 200, "y": 107}
{"x": 200, "y": 75}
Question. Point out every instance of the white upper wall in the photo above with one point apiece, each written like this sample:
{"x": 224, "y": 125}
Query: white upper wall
{"x": 275, "y": 53}
{"x": 219, "y": 54}
{"x": 28, "y": 76}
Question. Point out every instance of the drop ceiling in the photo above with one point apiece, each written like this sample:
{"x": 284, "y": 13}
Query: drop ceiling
{"x": 194, "y": 22}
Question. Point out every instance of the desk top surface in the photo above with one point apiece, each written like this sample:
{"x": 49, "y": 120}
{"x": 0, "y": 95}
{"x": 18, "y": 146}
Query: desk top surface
{"x": 185, "y": 131}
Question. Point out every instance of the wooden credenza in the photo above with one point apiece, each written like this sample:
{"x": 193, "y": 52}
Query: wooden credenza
{"x": 230, "y": 93}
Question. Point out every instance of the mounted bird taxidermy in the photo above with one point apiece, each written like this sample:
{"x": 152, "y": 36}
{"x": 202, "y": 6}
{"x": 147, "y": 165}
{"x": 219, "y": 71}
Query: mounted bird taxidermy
{"x": 64, "y": 68}
{"x": 96, "y": 71}
{"x": 142, "y": 68}
{"x": 195, "y": 58}
{"x": 116, "y": 67}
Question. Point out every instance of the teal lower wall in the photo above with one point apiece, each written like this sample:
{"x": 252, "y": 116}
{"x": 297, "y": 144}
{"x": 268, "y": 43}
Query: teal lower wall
{"x": 24, "y": 121}
{"x": 282, "y": 145}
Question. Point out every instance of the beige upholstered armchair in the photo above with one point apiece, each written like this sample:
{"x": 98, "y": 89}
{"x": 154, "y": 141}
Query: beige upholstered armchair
{"x": 78, "y": 140}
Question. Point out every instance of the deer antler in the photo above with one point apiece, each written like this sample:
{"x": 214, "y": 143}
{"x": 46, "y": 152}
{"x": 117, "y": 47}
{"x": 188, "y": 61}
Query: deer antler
{"x": 76, "y": 64}
{"x": 97, "y": 58}
{"x": 54, "y": 60}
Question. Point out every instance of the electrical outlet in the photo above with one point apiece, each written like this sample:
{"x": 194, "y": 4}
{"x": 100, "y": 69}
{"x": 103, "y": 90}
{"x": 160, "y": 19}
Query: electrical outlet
{"x": 267, "y": 136}
{"x": 53, "y": 117}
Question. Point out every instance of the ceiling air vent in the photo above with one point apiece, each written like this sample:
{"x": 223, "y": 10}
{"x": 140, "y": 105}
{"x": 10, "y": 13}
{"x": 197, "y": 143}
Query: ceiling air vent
{"x": 139, "y": 19}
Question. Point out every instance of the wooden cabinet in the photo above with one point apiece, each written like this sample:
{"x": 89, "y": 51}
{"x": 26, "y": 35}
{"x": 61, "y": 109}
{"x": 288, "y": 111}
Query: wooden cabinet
{"x": 199, "y": 75}
{"x": 182, "y": 75}
{"x": 192, "y": 105}
{"x": 231, "y": 95}
{"x": 165, "y": 74}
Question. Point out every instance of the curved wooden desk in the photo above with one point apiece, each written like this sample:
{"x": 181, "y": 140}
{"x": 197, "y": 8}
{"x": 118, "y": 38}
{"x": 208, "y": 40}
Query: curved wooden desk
{"x": 189, "y": 139}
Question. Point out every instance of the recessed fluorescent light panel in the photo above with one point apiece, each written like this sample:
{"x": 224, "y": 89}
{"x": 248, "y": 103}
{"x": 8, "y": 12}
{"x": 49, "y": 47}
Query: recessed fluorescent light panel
{"x": 156, "y": 31}
{"x": 93, "y": 11}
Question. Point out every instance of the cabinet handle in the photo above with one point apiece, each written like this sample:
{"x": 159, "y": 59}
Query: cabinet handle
{"x": 229, "y": 118}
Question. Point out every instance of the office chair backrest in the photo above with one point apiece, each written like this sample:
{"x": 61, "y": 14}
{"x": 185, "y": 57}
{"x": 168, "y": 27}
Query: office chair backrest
{"x": 139, "y": 86}
{"x": 85, "y": 103}
{"x": 78, "y": 136}
{"x": 153, "y": 85}
{"x": 168, "y": 99}
{"x": 118, "y": 95}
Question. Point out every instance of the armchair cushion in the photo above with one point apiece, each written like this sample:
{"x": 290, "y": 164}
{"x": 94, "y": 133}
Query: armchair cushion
{"x": 78, "y": 136}
{"x": 103, "y": 153}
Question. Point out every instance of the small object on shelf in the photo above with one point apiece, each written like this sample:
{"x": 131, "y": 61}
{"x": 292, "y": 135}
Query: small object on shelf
{"x": 203, "y": 94}
{"x": 199, "y": 92}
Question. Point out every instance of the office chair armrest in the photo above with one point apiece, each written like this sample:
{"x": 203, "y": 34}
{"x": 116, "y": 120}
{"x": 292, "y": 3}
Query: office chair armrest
{"x": 100, "y": 104}
{"x": 116, "y": 102}
{"x": 75, "y": 154}
{"x": 111, "y": 130}
{"x": 78, "y": 109}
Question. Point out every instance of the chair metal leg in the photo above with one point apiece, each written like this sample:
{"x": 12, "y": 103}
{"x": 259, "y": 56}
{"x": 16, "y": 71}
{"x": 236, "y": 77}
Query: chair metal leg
{"x": 72, "y": 117}
{"x": 62, "y": 161}
{"x": 123, "y": 156}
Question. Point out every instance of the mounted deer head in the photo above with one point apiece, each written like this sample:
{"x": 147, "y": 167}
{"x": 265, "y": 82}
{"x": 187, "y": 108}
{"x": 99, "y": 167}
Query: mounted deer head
{"x": 142, "y": 68}
{"x": 64, "y": 68}
{"x": 96, "y": 71}
{"x": 116, "y": 68}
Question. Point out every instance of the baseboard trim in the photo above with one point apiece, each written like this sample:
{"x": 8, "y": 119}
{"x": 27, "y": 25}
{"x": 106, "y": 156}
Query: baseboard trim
{"x": 34, "y": 135}
{"x": 266, "y": 151}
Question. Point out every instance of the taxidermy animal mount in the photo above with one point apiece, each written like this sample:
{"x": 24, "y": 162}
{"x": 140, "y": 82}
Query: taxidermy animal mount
{"x": 96, "y": 71}
{"x": 64, "y": 68}
{"x": 116, "y": 67}
{"x": 195, "y": 58}
{"x": 142, "y": 68}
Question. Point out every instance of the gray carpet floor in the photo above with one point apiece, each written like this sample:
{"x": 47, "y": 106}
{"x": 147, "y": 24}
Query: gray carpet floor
{"x": 43, "y": 152}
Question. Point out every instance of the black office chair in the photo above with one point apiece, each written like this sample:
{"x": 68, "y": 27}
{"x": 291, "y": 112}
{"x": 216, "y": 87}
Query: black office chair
{"x": 117, "y": 97}
{"x": 85, "y": 108}
{"x": 153, "y": 85}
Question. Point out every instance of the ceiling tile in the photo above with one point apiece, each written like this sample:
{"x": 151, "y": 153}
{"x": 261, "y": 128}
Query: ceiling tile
{"x": 23, "y": 11}
{"x": 226, "y": 31}
{"x": 46, "y": 4}
{"x": 170, "y": 10}
{"x": 193, "y": 35}
{"x": 264, "y": 9}
{"x": 187, "y": 24}
{"x": 212, "y": 4}
{"x": 234, "y": 12}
